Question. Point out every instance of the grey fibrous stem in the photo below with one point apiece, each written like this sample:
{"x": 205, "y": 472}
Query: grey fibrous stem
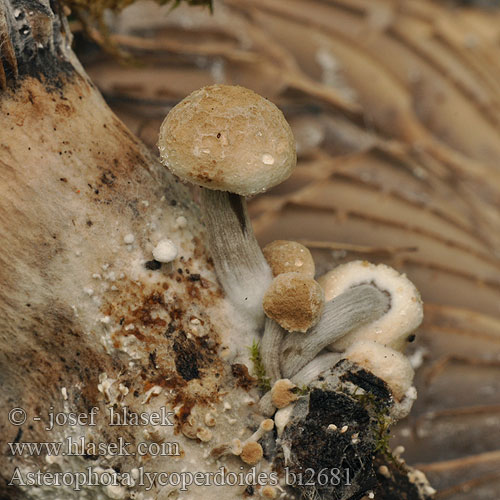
{"x": 238, "y": 259}
{"x": 270, "y": 349}
{"x": 315, "y": 368}
{"x": 354, "y": 307}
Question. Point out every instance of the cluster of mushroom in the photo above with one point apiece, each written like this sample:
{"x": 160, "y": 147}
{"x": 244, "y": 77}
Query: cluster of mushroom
{"x": 234, "y": 143}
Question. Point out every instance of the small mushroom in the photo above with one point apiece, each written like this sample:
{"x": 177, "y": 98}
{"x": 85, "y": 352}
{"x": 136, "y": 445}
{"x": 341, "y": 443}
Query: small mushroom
{"x": 289, "y": 256}
{"x": 235, "y": 447}
{"x": 283, "y": 257}
{"x": 233, "y": 143}
{"x": 294, "y": 301}
{"x": 269, "y": 491}
{"x": 393, "y": 367}
{"x": 265, "y": 426}
{"x": 357, "y": 306}
{"x": 402, "y": 317}
{"x": 252, "y": 453}
{"x": 282, "y": 393}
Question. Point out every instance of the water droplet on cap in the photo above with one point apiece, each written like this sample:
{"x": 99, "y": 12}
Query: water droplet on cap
{"x": 267, "y": 159}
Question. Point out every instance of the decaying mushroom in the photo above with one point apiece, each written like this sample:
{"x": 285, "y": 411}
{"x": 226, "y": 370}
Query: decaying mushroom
{"x": 404, "y": 314}
{"x": 233, "y": 143}
{"x": 387, "y": 364}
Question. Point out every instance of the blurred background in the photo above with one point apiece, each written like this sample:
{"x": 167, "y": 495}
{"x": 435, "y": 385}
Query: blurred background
{"x": 395, "y": 106}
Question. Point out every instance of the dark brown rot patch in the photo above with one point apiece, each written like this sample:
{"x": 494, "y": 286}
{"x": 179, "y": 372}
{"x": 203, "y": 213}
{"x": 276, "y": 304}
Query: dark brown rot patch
{"x": 152, "y": 265}
{"x": 186, "y": 357}
{"x": 369, "y": 382}
{"x": 316, "y": 446}
{"x": 243, "y": 378}
{"x": 108, "y": 178}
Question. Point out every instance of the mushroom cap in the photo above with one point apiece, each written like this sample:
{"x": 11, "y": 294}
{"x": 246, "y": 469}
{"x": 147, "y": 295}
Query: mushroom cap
{"x": 228, "y": 138}
{"x": 404, "y": 315}
{"x": 267, "y": 424}
{"x": 289, "y": 256}
{"x": 282, "y": 393}
{"x": 294, "y": 301}
{"x": 269, "y": 492}
{"x": 252, "y": 453}
{"x": 393, "y": 367}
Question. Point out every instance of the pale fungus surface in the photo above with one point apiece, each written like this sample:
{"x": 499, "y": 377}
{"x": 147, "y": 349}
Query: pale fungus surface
{"x": 393, "y": 367}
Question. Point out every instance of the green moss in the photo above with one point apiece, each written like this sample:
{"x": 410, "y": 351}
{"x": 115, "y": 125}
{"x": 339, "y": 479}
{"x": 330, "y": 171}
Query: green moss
{"x": 382, "y": 422}
{"x": 258, "y": 367}
{"x": 302, "y": 390}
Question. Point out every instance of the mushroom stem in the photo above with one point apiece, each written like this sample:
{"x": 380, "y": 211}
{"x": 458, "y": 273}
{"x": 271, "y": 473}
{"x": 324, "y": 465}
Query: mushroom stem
{"x": 357, "y": 306}
{"x": 265, "y": 426}
{"x": 238, "y": 259}
{"x": 270, "y": 349}
{"x": 310, "y": 372}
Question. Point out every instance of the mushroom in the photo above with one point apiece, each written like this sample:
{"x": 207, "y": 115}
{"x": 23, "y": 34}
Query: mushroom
{"x": 294, "y": 301}
{"x": 402, "y": 317}
{"x": 233, "y": 143}
{"x": 286, "y": 354}
{"x": 235, "y": 447}
{"x": 282, "y": 393}
{"x": 252, "y": 453}
{"x": 393, "y": 367}
{"x": 289, "y": 256}
{"x": 269, "y": 491}
{"x": 360, "y": 305}
{"x": 283, "y": 257}
{"x": 248, "y": 450}
{"x": 265, "y": 426}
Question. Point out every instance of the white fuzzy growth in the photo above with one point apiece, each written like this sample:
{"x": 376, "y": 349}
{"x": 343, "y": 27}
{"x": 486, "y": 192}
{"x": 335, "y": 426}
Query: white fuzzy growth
{"x": 403, "y": 317}
{"x": 165, "y": 251}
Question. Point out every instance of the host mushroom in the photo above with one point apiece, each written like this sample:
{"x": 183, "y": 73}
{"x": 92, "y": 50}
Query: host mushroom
{"x": 393, "y": 367}
{"x": 233, "y": 143}
{"x": 404, "y": 314}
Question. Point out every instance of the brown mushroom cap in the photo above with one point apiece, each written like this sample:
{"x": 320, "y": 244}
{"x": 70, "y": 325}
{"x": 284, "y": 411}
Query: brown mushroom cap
{"x": 282, "y": 393}
{"x": 228, "y": 138}
{"x": 252, "y": 453}
{"x": 289, "y": 256}
{"x": 294, "y": 301}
